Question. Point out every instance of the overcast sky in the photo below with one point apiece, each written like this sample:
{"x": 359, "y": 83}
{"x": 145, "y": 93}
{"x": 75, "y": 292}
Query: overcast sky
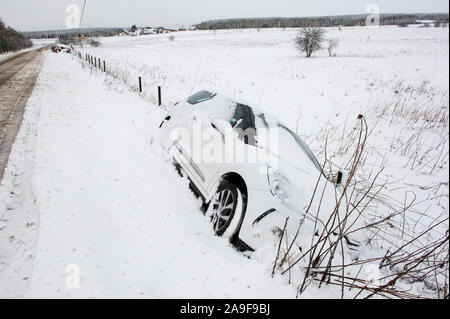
{"x": 27, "y": 15}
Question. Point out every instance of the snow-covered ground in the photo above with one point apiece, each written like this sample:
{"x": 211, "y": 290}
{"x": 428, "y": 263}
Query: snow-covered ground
{"x": 85, "y": 191}
{"x": 104, "y": 202}
{"x": 44, "y": 42}
{"x": 265, "y": 67}
{"x": 38, "y": 43}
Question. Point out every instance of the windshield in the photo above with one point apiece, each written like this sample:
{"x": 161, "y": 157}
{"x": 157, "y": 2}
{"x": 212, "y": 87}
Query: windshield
{"x": 251, "y": 128}
{"x": 288, "y": 136}
{"x": 243, "y": 121}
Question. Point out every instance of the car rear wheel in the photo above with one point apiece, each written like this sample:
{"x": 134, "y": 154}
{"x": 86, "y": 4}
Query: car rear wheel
{"x": 223, "y": 207}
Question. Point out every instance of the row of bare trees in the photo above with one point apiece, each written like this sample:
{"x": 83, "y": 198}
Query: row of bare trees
{"x": 325, "y": 21}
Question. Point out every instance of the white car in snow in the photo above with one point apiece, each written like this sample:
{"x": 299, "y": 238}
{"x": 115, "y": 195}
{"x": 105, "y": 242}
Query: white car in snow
{"x": 251, "y": 171}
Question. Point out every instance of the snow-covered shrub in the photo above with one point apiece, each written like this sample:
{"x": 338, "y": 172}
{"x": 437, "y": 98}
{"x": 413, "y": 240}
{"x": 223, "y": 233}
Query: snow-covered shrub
{"x": 331, "y": 45}
{"x": 309, "y": 40}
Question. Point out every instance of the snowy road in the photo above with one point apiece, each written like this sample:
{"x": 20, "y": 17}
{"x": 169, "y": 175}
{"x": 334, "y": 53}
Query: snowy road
{"x": 18, "y": 75}
{"x": 99, "y": 203}
{"x": 9, "y": 66}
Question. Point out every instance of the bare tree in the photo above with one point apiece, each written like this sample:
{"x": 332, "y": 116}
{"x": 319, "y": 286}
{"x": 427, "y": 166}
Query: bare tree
{"x": 331, "y": 45}
{"x": 309, "y": 40}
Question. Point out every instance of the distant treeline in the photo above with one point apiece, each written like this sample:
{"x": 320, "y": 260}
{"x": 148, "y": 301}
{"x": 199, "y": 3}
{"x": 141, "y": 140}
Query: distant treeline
{"x": 71, "y": 33}
{"x": 326, "y": 21}
{"x": 11, "y": 40}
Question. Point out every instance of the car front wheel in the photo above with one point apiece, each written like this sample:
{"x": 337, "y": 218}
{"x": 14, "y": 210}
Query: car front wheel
{"x": 223, "y": 207}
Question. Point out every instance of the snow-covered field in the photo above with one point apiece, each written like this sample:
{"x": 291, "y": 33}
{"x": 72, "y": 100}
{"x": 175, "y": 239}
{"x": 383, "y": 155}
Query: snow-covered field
{"x": 85, "y": 191}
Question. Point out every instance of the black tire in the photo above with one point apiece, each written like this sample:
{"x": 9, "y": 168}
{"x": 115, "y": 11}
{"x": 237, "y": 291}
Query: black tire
{"x": 222, "y": 207}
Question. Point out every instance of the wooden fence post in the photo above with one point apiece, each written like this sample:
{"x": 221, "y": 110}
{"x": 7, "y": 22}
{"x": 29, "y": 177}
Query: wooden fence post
{"x": 159, "y": 96}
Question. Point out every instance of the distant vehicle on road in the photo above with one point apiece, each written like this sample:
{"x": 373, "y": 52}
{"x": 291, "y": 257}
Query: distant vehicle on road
{"x": 61, "y": 48}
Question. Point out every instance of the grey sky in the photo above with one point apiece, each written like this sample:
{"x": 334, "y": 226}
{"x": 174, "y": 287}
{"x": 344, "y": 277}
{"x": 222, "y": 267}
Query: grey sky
{"x": 29, "y": 15}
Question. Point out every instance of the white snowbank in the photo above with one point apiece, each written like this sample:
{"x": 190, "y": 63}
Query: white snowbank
{"x": 113, "y": 209}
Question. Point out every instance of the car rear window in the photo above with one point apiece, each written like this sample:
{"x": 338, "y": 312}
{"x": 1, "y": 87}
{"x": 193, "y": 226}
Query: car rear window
{"x": 201, "y": 96}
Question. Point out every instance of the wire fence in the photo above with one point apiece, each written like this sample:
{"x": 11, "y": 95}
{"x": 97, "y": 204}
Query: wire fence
{"x": 100, "y": 64}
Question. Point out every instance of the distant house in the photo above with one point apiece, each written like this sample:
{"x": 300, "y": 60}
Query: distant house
{"x": 164, "y": 30}
{"x": 139, "y": 31}
{"x": 192, "y": 28}
{"x": 123, "y": 33}
{"x": 136, "y": 33}
{"x": 149, "y": 30}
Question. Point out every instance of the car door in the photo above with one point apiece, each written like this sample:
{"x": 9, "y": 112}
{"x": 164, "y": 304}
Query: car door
{"x": 185, "y": 136}
{"x": 209, "y": 149}
{"x": 220, "y": 148}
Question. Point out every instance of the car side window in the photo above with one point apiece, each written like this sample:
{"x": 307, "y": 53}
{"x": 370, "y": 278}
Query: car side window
{"x": 243, "y": 121}
{"x": 200, "y": 97}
